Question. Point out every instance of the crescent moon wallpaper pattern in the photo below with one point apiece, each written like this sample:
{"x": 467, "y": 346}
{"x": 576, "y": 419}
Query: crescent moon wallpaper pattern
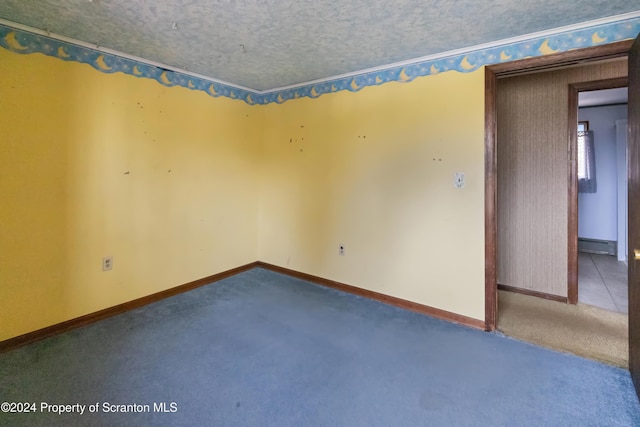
{"x": 24, "y": 42}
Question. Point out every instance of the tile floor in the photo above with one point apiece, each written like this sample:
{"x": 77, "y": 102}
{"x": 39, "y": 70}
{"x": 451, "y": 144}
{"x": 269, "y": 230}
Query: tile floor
{"x": 602, "y": 282}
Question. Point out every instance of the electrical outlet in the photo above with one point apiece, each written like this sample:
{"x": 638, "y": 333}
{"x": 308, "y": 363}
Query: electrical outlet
{"x": 107, "y": 263}
{"x": 341, "y": 250}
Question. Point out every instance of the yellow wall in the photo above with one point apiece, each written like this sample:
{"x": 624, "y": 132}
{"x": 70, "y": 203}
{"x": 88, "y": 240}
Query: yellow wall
{"x": 374, "y": 170}
{"x": 186, "y": 209}
{"x": 177, "y": 185}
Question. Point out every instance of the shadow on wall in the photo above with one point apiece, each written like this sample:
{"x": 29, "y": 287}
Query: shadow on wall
{"x": 95, "y": 165}
{"x": 36, "y": 183}
{"x": 374, "y": 171}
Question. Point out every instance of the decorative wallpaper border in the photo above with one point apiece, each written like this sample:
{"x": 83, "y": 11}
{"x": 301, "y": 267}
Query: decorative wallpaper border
{"x": 24, "y": 42}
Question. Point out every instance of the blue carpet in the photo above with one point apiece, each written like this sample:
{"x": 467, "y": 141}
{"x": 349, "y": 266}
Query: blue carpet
{"x": 261, "y": 349}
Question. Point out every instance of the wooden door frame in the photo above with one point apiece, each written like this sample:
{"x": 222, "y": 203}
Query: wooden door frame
{"x": 572, "y": 132}
{"x": 633, "y": 219}
{"x": 492, "y": 73}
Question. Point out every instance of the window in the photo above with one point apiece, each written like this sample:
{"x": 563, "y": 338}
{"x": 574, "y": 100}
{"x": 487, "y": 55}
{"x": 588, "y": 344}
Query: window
{"x": 586, "y": 159}
{"x": 582, "y": 128}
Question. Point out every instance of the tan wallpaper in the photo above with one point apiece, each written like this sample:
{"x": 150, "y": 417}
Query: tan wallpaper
{"x": 533, "y": 174}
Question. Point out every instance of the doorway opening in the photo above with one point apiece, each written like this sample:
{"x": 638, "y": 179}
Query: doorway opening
{"x": 532, "y": 203}
{"x": 629, "y": 49}
{"x": 492, "y": 74}
{"x": 602, "y": 197}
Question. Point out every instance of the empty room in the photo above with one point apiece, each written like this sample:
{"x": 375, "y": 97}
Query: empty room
{"x": 292, "y": 213}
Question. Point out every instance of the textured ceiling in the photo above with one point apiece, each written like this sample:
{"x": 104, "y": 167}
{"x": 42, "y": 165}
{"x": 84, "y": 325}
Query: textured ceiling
{"x": 266, "y": 44}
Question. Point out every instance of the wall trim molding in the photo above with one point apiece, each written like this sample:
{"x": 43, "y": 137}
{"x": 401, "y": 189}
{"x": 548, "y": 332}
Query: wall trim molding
{"x": 23, "y": 39}
{"x": 98, "y": 48}
{"x": 87, "y": 319}
{"x": 469, "y": 50}
{"x": 531, "y": 293}
{"x": 68, "y": 325}
{"x": 490, "y": 201}
{"x": 386, "y": 299}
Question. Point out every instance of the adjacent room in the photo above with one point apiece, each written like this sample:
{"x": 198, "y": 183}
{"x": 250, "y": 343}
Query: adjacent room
{"x": 536, "y": 204}
{"x": 602, "y": 204}
{"x": 300, "y": 213}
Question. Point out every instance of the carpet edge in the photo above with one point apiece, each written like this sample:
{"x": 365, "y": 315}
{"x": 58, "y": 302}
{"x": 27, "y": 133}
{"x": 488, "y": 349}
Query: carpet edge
{"x": 377, "y": 296}
{"x": 77, "y": 322}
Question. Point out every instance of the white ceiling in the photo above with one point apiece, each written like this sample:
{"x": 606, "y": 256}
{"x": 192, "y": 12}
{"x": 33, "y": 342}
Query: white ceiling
{"x": 603, "y": 97}
{"x": 267, "y": 44}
